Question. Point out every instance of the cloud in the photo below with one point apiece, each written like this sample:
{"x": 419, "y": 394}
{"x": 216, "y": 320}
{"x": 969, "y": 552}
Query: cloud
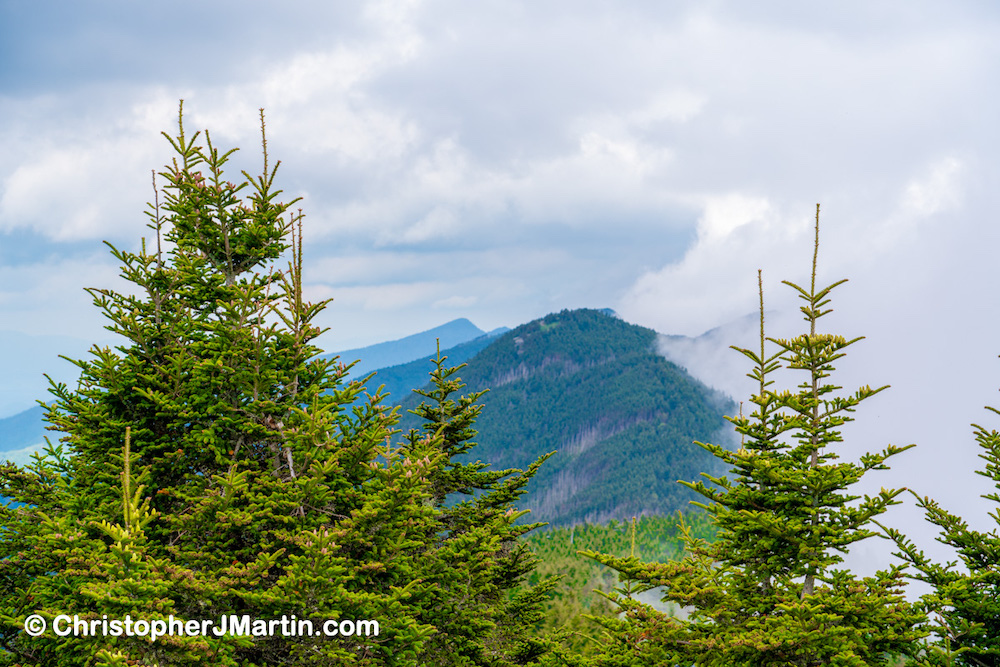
{"x": 458, "y": 302}
{"x": 650, "y": 133}
{"x": 385, "y": 297}
{"x": 48, "y": 296}
{"x": 410, "y": 114}
{"x": 439, "y": 222}
{"x": 82, "y": 181}
{"x": 46, "y": 313}
{"x": 939, "y": 190}
{"x": 677, "y": 106}
{"x": 90, "y": 178}
{"x": 716, "y": 279}
{"x": 724, "y": 214}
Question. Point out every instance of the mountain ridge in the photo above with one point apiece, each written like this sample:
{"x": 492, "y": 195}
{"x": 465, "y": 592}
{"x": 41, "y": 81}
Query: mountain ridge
{"x": 621, "y": 417}
{"x": 408, "y": 348}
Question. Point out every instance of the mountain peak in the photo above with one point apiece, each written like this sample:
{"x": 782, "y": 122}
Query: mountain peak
{"x": 408, "y": 348}
{"x": 622, "y": 419}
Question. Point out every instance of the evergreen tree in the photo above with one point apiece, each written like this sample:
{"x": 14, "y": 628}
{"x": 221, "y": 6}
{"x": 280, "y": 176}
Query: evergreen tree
{"x": 965, "y": 602}
{"x": 475, "y": 508}
{"x": 767, "y": 591}
{"x": 269, "y": 485}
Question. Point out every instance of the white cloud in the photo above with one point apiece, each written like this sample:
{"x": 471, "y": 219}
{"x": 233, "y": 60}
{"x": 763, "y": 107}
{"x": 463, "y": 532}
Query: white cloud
{"x": 610, "y": 155}
{"x": 48, "y": 297}
{"x": 455, "y": 302}
{"x": 716, "y": 279}
{"x": 45, "y": 312}
{"x": 91, "y": 181}
{"x": 676, "y": 106}
{"x": 918, "y": 276}
{"x": 439, "y": 222}
{"x": 89, "y": 187}
{"x": 938, "y": 190}
{"x": 388, "y": 297}
{"x": 724, "y": 214}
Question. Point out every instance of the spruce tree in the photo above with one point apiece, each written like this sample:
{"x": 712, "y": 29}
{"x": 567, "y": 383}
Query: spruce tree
{"x": 768, "y": 591}
{"x": 257, "y": 479}
{"x": 965, "y": 601}
{"x": 475, "y": 508}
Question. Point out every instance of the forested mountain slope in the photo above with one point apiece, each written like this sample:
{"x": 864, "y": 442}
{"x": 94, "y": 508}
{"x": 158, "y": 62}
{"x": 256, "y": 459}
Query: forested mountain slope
{"x": 652, "y": 538}
{"x": 622, "y": 419}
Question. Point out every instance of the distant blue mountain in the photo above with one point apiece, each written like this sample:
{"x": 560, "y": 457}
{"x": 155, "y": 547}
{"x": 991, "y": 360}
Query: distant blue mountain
{"x": 22, "y": 430}
{"x": 404, "y": 350}
{"x": 400, "y": 381}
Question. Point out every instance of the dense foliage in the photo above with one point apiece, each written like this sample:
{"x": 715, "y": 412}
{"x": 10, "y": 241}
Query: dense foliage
{"x": 583, "y": 584}
{"x": 215, "y": 465}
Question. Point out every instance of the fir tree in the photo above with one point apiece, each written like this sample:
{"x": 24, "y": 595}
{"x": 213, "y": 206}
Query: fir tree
{"x": 768, "y": 591}
{"x": 475, "y": 509}
{"x": 965, "y": 601}
{"x": 269, "y": 486}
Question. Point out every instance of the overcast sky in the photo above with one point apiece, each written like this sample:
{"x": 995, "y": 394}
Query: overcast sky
{"x": 502, "y": 160}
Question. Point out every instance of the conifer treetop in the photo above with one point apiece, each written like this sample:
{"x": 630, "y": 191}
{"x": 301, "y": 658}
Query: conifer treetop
{"x": 769, "y": 590}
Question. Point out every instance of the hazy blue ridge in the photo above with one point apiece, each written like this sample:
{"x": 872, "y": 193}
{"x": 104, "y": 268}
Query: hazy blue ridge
{"x": 404, "y": 350}
{"x": 23, "y": 429}
{"x": 400, "y": 381}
